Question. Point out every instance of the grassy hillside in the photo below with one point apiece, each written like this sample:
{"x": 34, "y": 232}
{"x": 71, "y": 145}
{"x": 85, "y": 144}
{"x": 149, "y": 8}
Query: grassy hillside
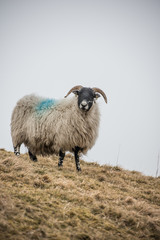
{"x": 39, "y": 201}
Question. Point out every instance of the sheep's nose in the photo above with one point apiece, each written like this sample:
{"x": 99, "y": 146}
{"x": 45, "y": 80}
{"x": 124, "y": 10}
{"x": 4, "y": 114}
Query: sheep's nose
{"x": 84, "y": 103}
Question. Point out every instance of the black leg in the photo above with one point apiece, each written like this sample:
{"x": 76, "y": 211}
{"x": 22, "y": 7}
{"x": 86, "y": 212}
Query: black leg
{"x": 17, "y": 150}
{"x": 61, "y": 157}
{"x": 76, "y": 151}
{"x": 32, "y": 157}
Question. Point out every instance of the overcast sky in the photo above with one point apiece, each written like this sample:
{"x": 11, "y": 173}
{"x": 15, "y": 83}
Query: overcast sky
{"x": 47, "y": 47}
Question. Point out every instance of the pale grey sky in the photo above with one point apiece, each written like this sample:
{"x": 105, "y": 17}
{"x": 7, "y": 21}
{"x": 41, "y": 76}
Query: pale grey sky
{"x": 47, "y": 47}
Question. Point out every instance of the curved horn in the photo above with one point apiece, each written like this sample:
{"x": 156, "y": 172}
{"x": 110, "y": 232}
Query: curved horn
{"x": 78, "y": 87}
{"x": 101, "y": 92}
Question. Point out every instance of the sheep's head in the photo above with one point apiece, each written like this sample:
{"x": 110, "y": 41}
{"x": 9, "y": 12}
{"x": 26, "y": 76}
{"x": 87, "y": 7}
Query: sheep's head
{"x": 86, "y": 96}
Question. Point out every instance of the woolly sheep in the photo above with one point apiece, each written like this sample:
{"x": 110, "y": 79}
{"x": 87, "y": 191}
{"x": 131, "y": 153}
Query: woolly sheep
{"x": 48, "y": 126}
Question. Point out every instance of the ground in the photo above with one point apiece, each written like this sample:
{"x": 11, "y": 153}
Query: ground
{"x": 40, "y": 201}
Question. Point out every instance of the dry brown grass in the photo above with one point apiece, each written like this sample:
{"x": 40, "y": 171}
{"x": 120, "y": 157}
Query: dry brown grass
{"x": 39, "y": 201}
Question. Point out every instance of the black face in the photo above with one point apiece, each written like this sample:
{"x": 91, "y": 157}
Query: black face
{"x": 86, "y": 98}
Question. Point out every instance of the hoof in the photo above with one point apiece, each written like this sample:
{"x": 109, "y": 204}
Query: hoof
{"x": 34, "y": 160}
{"x": 17, "y": 153}
{"x": 60, "y": 165}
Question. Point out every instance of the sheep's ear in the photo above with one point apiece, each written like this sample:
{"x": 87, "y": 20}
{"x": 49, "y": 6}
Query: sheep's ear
{"x": 76, "y": 92}
{"x": 97, "y": 95}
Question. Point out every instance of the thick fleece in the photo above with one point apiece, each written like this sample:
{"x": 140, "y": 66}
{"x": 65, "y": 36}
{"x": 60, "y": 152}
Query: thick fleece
{"x": 47, "y": 126}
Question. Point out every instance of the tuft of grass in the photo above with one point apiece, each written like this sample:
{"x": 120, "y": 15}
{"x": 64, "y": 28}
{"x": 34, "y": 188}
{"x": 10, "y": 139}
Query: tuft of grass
{"x": 40, "y": 201}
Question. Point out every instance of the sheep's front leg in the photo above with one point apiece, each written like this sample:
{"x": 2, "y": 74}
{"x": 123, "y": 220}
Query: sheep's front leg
{"x": 76, "y": 151}
{"x": 61, "y": 157}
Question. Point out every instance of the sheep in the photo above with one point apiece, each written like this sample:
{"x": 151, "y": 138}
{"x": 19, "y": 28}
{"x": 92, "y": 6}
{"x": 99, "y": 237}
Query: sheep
{"x": 49, "y": 126}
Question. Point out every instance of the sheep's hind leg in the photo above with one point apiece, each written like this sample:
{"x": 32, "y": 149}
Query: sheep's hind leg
{"x": 61, "y": 157}
{"x": 32, "y": 157}
{"x": 17, "y": 150}
{"x": 76, "y": 151}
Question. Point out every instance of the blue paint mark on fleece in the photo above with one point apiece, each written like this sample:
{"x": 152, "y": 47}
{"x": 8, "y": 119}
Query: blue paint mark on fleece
{"x": 45, "y": 105}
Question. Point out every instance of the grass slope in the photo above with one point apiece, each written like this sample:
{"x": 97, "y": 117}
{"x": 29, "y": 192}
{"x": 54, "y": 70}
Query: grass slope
{"x": 39, "y": 201}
